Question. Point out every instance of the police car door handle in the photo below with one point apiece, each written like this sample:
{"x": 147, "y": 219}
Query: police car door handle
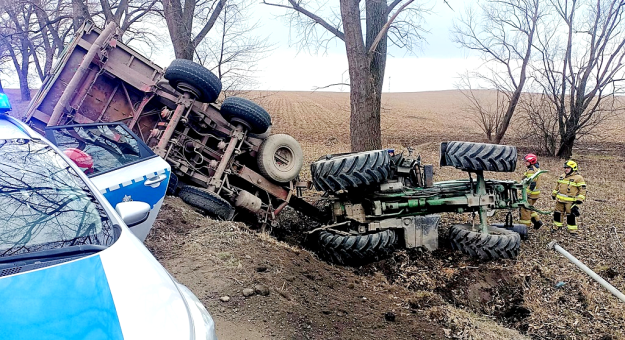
{"x": 154, "y": 181}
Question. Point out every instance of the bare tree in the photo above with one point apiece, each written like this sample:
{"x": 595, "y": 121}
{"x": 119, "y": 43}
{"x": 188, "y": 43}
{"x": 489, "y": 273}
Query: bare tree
{"x": 15, "y": 30}
{"x": 487, "y": 113}
{"x": 181, "y": 16}
{"x": 582, "y": 69}
{"x": 538, "y": 115}
{"x": 396, "y": 21}
{"x": 502, "y": 33}
{"x": 233, "y": 51}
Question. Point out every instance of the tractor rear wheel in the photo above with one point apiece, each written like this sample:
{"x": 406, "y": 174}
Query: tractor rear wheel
{"x": 498, "y": 244}
{"x": 354, "y": 170}
{"x": 354, "y": 250}
{"x": 479, "y": 156}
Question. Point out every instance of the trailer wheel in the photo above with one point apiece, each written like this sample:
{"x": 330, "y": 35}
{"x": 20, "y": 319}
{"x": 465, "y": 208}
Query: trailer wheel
{"x": 207, "y": 201}
{"x": 280, "y": 158}
{"x": 351, "y": 170}
{"x": 499, "y": 243}
{"x": 479, "y": 156}
{"x": 187, "y": 76}
{"x": 354, "y": 250}
{"x": 246, "y": 112}
{"x": 172, "y": 186}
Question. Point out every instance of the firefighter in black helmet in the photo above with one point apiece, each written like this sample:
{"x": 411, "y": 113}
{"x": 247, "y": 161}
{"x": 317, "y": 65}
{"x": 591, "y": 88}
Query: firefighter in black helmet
{"x": 569, "y": 193}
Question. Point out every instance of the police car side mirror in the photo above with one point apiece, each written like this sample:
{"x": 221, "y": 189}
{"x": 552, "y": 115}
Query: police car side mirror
{"x": 133, "y": 213}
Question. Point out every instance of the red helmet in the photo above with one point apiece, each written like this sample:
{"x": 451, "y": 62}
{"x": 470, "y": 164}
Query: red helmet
{"x": 531, "y": 158}
{"x": 81, "y": 158}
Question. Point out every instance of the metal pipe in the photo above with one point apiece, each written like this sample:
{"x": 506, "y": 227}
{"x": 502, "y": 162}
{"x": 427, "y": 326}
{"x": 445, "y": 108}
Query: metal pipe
{"x": 554, "y": 245}
{"x": 171, "y": 126}
{"x": 68, "y": 93}
{"x": 481, "y": 191}
{"x": 234, "y": 140}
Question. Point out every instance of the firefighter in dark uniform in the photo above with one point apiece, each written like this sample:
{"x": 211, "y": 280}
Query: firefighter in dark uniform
{"x": 569, "y": 193}
{"x": 533, "y": 192}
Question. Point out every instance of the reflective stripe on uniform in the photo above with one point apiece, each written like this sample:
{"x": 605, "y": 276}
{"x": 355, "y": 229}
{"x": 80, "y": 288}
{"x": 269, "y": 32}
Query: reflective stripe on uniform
{"x": 555, "y": 192}
{"x": 534, "y": 214}
{"x": 575, "y": 184}
{"x": 530, "y": 192}
{"x": 525, "y": 221}
{"x": 558, "y": 224}
{"x": 571, "y": 227}
{"x": 566, "y": 198}
{"x": 581, "y": 197}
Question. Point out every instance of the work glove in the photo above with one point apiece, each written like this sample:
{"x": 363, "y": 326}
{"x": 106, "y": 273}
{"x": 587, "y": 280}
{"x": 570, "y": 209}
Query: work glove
{"x": 578, "y": 202}
{"x": 553, "y": 197}
{"x": 575, "y": 211}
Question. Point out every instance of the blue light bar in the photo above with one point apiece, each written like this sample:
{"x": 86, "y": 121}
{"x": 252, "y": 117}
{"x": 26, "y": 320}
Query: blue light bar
{"x": 5, "y": 105}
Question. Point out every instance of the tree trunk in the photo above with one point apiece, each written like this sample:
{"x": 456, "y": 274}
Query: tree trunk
{"x": 566, "y": 147}
{"x": 80, "y": 13}
{"x": 178, "y": 25}
{"x": 365, "y": 100}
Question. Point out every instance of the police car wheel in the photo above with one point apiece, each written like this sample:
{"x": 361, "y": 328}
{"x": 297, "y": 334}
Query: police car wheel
{"x": 498, "y": 244}
{"x": 354, "y": 170}
{"x": 355, "y": 250}
{"x": 207, "y": 201}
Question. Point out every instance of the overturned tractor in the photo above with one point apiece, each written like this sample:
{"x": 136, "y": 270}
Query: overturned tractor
{"x": 380, "y": 202}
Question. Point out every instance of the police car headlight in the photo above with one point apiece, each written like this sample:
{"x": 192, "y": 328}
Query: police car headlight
{"x": 203, "y": 323}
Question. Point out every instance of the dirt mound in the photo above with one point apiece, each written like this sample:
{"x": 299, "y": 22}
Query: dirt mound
{"x": 294, "y": 295}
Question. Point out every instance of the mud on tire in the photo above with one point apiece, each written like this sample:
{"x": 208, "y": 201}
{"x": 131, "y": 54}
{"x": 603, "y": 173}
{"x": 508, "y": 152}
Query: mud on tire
{"x": 354, "y": 250}
{"x": 499, "y": 243}
{"x": 350, "y": 171}
{"x": 207, "y": 201}
{"x": 187, "y": 76}
{"x": 479, "y": 156}
{"x": 236, "y": 109}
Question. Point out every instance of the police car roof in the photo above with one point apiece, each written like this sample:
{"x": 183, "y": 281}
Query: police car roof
{"x": 10, "y": 128}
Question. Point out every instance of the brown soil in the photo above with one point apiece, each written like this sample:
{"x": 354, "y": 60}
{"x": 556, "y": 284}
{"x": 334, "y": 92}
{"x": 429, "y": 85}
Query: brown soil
{"x": 308, "y": 298}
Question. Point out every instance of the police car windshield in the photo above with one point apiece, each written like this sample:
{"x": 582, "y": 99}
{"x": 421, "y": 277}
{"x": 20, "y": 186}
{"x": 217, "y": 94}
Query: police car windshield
{"x": 45, "y": 204}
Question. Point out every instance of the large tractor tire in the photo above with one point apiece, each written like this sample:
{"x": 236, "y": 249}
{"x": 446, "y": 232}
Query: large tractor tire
{"x": 207, "y": 201}
{"x": 280, "y": 158}
{"x": 498, "y": 244}
{"x": 479, "y": 156}
{"x": 353, "y": 170}
{"x": 246, "y": 112}
{"x": 187, "y": 76}
{"x": 354, "y": 250}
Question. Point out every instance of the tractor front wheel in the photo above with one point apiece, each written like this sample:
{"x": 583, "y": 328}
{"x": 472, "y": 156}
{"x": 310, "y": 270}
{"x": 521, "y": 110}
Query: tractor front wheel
{"x": 354, "y": 250}
{"x": 498, "y": 244}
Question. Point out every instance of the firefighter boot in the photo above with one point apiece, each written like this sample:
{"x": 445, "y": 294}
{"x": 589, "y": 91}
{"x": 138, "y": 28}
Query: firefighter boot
{"x": 571, "y": 226}
{"x": 557, "y": 220}
{"x": 537, "y": 223}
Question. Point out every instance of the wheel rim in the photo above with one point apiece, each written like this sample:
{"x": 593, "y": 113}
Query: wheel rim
{"x": 283, "y": 159}
{"x": 184, "y": 87}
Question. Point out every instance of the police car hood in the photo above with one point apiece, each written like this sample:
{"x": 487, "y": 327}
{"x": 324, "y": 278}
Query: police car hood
{"x": 121, "y": 292}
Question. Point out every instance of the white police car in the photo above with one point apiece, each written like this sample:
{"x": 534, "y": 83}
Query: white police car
{"x": 69, "y": 266}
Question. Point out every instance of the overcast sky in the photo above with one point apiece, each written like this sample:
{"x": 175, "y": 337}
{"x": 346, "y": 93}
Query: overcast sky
{"x": 435, "y": 67}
